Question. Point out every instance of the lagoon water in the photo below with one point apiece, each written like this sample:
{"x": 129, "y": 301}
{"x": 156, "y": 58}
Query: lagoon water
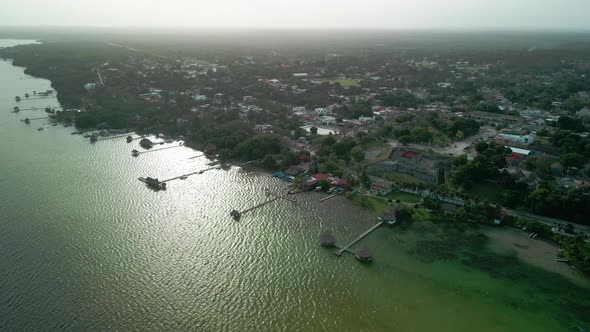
{"x": 85, "y": 246}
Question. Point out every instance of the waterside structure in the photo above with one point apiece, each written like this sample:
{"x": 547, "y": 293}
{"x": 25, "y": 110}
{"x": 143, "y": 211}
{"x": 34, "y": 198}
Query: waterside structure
{"x": 154, "y": 183}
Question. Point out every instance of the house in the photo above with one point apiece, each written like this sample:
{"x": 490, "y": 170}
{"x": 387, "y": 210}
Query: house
{"x": 300, "y": 75}
{"x": 517, "y": 155}
{"x": 89, "y": 86}
{"x": 200, "y": 97}
{"x": 298, "y": 109}
{"x": 584, "y": 113}
{"x": 514, "y": 158}
{"x": 519, "y": 139}
{"x": 493, "y": 117}
{"x": 379, "y": 190}
{"x": 556, "y": 168}
{"x": 327, "y": 120}
{"x": 367, "y": 119}
{"x": 321, "y": 111}
{"x": 248, "y": 98}
{"x": 531, "y": 180}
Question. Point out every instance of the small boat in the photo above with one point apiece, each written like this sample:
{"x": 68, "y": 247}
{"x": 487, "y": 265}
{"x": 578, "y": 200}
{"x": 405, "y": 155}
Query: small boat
{"x": 129, "y": 139}
{"x": 27, "y": 121}
{"x": 169, "y": 140}
{"x": 39, "y": 129}
{"x": 17, "y": 98}
{"x": 184, "y": 177}
{"x": 93, "y": 139}
{"x": 16, "y": 109}
{"x": 135, "y": 153}
{"x": 26, "y": 95}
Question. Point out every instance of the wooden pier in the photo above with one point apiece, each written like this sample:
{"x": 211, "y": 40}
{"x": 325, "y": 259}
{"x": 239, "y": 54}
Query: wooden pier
{"x": 331, "y": 196}
{"x": 160, "y": 149}
{"x": 111, "y": 137}
{"x": 35, "y": 98}
{"x": 189, "y": 174}
{"x": 31, "y": 119}
{"x": 250, "y": 162}
{"x": 238, "y": 214}
{"x": 195, "y": 157}
{"x": 360, "y": 237}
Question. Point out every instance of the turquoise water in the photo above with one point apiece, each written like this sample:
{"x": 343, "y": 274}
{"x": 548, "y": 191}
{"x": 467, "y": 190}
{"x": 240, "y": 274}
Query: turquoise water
{"x": 85, "y": 246}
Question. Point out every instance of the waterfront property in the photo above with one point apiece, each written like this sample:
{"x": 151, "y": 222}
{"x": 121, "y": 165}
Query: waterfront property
{"x": 429, "y": 168}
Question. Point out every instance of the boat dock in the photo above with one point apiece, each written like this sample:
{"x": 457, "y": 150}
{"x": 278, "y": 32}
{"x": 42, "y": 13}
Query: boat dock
{"x": 160, "y": 149}
{"x": 189, "y": 174}
{"x": 331, "y": 196}
{"x": 360, "y": 237}
{"x": 34, "y": 98}
{"x": 250, "y": 162}
{"x": 111, "y": 137}
{"x": 195, "y": 157}
{"x": 238, "y": 214}
{"x": 31, "y": 119}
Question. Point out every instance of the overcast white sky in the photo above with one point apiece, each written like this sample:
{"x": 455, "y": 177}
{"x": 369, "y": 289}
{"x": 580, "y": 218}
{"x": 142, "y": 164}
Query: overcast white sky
{"x": 408, "y": 14}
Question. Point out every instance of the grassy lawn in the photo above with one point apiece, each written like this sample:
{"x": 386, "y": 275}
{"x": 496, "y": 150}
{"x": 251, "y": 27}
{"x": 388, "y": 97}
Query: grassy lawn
{"x": 420, "y": 214}
{"x": 485, "y": 191}
{"x": 404, "y": 197}
{"x": 345, "y": 82}
{"x": 376, "y": 205}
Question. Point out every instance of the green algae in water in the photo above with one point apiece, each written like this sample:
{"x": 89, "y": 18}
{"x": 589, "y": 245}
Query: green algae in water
{"x": 541, "y": 290}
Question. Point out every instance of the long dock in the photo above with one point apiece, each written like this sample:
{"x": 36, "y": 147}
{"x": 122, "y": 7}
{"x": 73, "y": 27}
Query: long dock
{"x": 331, "y": 196}
{"x": 262, "y": 204}
{"x": 31, "y": 119}
{"x": 160, "y": 149}
{"x": 360, "y": 237}
{"x": 251, "y": 162}
{"x": 189, "y": 174}
{"x": 35, "y": 98}
{"x": 195, "y": 157}
{"x": 112, "y": 137}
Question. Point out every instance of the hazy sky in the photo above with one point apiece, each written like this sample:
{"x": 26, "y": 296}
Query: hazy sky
{"x": 408, "y": 14}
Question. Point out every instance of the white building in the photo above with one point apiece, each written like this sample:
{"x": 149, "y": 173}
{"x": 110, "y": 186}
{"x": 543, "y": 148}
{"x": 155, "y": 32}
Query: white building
{"x": 520, "y": 139}
{"x": 367, "y": 119}
{"x": 327, "y": 120}
{"x": 298, "y": 109}
{"x": 300, "y": 75}
{"x": 321, "y": 111}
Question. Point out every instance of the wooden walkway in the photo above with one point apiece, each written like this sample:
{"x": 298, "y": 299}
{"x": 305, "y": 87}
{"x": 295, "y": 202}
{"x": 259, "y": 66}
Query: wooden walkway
{"x": 160, "y": 149}
{"x": 31, "y": 119}
{"x": 189, "y": 174}
{"x": 112, "y": 137}
{"x": 331, "y": 196}
{"x": 360, "y": 237}
{"x": 277, "y": 197}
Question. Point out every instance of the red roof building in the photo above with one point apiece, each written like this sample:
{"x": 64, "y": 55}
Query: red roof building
{"x": 409, "y": 154}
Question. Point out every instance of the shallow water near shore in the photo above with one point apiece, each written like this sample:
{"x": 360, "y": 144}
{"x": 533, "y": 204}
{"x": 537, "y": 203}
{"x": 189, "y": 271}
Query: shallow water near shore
{"x": 85, "y": 246}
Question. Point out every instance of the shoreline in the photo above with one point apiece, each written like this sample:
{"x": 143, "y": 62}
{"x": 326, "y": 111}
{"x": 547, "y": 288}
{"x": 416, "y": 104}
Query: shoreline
{"x": 513, "y": 242}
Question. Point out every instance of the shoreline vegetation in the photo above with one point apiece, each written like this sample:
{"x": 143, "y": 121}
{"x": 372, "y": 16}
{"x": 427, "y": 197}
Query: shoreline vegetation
{"x": 232, "y": 134}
